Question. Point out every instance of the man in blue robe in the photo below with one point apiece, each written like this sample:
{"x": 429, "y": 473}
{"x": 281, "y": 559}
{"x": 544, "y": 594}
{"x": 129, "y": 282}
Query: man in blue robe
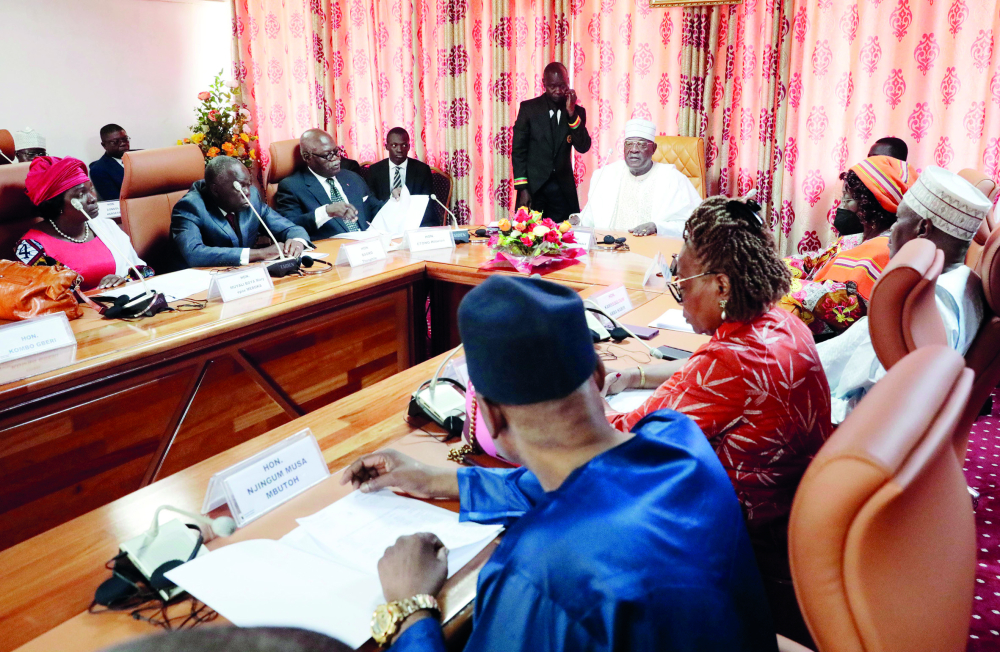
{"x": 615, "y": 541}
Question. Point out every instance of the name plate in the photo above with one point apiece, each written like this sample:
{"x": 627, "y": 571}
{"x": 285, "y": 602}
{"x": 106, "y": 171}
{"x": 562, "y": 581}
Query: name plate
{"x": 34, "y": 336}
{"x": 584, "y": 237}
{"x": 361, "y": 253}
{"x": 659, "y": 265}
{"x": 240, "y": 283}
{"x": 109, "y": 209}
{"x": 614, "y": 301}
{"x": 428, "y": 240}
{"x": 270, "y": 478}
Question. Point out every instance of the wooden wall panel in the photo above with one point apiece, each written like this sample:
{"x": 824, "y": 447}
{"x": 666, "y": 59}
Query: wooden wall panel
{"x": 56, "y": 467}
{"x": 229, "y": 408}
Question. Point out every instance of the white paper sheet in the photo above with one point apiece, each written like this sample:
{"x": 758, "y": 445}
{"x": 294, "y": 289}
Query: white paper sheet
{"x": 398, "y": 216}
{"x": 629, "y": 400}
{"x": 673, "y": 320}
{"x": 261, "y": 583}
{"x": 174, "y": 286}
{"x": 357, "y": 529}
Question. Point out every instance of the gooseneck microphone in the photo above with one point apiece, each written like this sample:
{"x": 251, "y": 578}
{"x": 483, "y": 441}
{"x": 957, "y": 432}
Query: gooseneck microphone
{"x": 211, "y": 527}
{"x": 284, "y": 265}
{"x": 454, "y": 220}
{"x": 656, "y": 353}
{"x": 146, "y": 292}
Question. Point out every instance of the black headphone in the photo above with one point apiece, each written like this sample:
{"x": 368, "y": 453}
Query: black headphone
{"x": 309, "y": 261}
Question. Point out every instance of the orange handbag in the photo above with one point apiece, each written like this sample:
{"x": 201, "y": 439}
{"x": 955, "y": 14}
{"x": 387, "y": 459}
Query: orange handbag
{"x": 27, "y": 292}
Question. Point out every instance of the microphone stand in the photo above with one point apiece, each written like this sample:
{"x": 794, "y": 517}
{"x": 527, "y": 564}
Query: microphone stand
{"x": 284, "y": 265}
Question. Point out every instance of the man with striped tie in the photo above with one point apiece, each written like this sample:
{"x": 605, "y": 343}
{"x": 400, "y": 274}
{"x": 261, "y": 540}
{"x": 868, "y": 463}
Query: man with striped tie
{"x": 389, "y": 176}
{"x": 321, "y": 197}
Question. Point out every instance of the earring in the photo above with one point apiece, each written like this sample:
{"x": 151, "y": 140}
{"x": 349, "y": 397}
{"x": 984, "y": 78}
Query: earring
{"x": 722, "y": 304}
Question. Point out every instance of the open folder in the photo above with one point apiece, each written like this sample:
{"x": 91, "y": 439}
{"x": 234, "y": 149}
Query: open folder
{"x": 323, "y": 575}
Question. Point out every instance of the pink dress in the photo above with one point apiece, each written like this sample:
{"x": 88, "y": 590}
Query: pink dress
{"x": 92, "y": 259}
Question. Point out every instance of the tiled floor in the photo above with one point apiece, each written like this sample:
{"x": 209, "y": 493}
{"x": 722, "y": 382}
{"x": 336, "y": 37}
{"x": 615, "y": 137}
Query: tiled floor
{"x": 982, "y": 471}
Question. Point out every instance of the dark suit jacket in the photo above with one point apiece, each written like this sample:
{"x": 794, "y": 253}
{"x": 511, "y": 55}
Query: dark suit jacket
{"x": 350, "y": 165}
{"x": 539, "y": 151}
{"x": 418, "y": 182}
{"x": 300, "y": 194}
{"x": 106, "y": 174}
{"x": 205, "y": 238}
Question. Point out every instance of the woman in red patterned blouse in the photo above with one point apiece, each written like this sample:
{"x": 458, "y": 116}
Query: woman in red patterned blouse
{"x": 756, "y": 389}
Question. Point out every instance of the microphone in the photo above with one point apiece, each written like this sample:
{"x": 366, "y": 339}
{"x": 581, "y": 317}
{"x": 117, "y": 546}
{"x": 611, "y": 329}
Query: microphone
{"x": 218, "y": 527}
{"x": 283, "y": 266}
{"x": 146, "y": 292}
{"x": 454, "y": 220}
{"x": 656, "y": 353}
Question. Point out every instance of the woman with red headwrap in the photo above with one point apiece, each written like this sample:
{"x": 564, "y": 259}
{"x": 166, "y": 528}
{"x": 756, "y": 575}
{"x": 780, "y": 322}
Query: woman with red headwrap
{"x": 830, "y": 290}
{"x": 66, "y": 236}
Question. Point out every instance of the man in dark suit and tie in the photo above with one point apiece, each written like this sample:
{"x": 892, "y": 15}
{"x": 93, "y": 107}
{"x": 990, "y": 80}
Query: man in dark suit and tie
{"x": 546, "y": 131}
{"x": 323, "y": 198}
{"x": 213, "y": 226}
{"x": 107, "y": 172}
{"x": 389, "y": 175}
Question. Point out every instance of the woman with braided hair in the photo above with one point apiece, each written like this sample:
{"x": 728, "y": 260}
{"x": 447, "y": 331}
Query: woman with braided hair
{"x": 756, "y": 388}
{"x": 830, "y": 290}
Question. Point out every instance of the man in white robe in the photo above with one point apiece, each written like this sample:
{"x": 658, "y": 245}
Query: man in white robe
{"x": 947, "y": 210}
{"x": 638, "y": 195}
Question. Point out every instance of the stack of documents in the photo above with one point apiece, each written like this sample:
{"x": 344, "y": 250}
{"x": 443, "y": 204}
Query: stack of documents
{"x": 323, "y": 575}
{"x": 630, "y": 399}
{"x": 672, "y": 319}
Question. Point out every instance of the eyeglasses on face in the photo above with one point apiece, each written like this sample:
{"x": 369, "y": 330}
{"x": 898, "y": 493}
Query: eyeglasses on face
{"x": 674, "y": 284}
{"x": 334, "y": 153}
{"x": 638, "y": 145}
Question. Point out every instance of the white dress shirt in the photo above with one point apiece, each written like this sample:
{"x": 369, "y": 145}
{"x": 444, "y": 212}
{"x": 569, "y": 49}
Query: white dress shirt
{"x": 322, "y": 217}
{"x": 557, "y": 113}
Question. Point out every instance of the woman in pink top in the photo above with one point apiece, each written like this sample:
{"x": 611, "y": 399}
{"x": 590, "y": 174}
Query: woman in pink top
{"x": 66, "y": 236}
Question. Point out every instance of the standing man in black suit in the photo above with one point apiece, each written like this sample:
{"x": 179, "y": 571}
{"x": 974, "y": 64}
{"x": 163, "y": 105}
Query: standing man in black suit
{"x": 547, "y": 129}
{"x": 389, "y": 175}
{"x": 323, "y": 198}
{"x": 107, "y": 172}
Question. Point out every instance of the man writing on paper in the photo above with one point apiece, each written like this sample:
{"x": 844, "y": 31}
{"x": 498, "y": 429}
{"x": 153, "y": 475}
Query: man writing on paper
{"x": 323, "y": 198}
{"x": 615, "y": 540}
{"x": 638, "y": 195}
{"x": 390, "y": 176}
{"x": 213, "y": 226}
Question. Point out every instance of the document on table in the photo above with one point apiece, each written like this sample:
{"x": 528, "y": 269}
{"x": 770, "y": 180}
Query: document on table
{"x": 398, "y": 216}
{"x": 672, "y": 319}
{"x": 174, "y": 286}
{"x": 629, "y": 400}
{"x": 324, "y": 574}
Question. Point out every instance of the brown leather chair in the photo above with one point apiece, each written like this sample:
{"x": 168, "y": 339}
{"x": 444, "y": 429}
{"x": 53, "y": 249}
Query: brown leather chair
{"x": 155, "y": 179}
{"x": 989, "y": 188}
{"x": 443, "y": 187}
{"x": 902, "y": 313}
{"x": 6, "y": 146}
{"x": 882, "y": 542}
{"x": 17, "y": 213}
{"x": 366, "y": 170}
{"x": 685, "y": 153}
{"x": 285, "y": 159}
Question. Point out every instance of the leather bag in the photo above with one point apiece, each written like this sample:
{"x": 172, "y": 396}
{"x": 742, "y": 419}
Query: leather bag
{"x": 27, "y": 292}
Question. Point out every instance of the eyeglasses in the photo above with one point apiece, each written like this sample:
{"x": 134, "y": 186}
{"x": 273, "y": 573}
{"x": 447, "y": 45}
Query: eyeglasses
{"x": 636, "y": 145}
{"x": 334, "y": 153}
{"x": 674, "y": 285}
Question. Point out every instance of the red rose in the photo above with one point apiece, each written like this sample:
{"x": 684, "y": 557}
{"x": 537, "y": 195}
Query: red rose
{"x": 204, "y": 95}
{"x": 522, "y": 214}
{"x": 569, "y": 237}
{"x": 552, "y": 236}
{"x": 549, "y": 223}
{"x": 212, "y": 115}
{"x": 527, "y": 227}
{"x": 526, "y": 241}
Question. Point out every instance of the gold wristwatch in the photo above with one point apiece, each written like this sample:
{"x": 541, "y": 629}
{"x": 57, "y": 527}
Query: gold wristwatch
{"x": 388, "y": 617}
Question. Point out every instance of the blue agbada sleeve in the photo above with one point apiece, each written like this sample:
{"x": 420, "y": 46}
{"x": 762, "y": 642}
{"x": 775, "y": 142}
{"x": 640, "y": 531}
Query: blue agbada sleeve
{"x": 496, "y": 495}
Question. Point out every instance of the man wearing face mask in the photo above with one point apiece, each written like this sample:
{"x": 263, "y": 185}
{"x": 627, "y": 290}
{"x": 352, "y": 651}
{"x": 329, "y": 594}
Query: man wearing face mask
{"x": 830, "y": 289}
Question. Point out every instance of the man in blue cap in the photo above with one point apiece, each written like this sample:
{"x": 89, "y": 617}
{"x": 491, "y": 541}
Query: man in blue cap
{"x": 615, "y": 541}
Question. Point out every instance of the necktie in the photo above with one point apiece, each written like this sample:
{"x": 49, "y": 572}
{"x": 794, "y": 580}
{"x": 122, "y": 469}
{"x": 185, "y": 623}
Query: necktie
{"x": 235, "y": 223}
{"x": 397, "y": 181}
{"x": 336, "y": 197}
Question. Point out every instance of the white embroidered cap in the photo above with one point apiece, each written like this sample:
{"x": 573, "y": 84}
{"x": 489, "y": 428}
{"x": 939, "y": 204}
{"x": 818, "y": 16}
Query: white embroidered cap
{"x": 28, "y": 138}
{"x": 950, "y": 202}
{"x": 638, "y": 128}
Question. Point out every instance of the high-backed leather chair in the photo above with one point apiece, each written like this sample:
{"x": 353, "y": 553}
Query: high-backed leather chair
{"x": 685, "y": 153}
{"x": 902, "y": 313}
{"x": 882, "y": 540}
{"x": 442, "y": 185}
{"x": 17, "y": 213}
{"x": 155, "y": 180}
{"x": 6, "y": 146}
{"x": 989, "y": 188}
{"x": 285, "y": 159}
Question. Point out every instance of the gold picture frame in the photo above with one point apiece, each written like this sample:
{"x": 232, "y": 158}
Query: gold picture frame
{"x": 692, "y": 3}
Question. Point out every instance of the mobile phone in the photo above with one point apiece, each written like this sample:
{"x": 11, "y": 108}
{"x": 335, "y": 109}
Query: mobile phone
{"x": 642, "y": 332}
{"x": 670, "y": 353}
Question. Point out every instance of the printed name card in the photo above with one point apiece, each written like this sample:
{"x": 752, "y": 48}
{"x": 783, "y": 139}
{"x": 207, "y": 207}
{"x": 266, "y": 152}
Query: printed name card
{"x": 270, "y": 478}
{"x": 361, "y": 253}
{"x": 427, "y": 240}
{"x": 241, "y": 283}
{"x": 109, "y": 209}
{"x": 614, "y": 301}
{"x": 34, "y": 336}
{"x": 584, "y": 237}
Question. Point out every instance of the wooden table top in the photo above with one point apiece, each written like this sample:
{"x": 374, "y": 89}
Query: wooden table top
{"x": 47, "y": 582}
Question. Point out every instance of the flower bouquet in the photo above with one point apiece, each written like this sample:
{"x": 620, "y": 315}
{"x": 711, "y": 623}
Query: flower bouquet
{"x": 528, "y": 242}
{"x": 223, "y": 125}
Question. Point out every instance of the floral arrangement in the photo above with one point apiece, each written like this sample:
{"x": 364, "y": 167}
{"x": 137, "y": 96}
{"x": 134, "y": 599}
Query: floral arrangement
{"x": 223, "y": 125}
{"x": 530, "y": 241}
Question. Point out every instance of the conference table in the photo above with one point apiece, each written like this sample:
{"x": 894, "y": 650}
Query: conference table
{"x": 147, "y": 411}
